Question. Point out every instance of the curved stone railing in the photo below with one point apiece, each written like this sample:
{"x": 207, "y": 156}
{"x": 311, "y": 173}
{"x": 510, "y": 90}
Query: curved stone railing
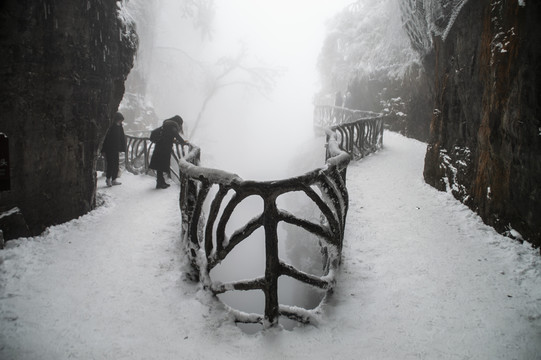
{"x": 209, "y": 198}
{"x": 207, "y": 244}
{"x": 139, "y": 150}
{"x": 326, "y": 116}
{"x": 358, "y": 132}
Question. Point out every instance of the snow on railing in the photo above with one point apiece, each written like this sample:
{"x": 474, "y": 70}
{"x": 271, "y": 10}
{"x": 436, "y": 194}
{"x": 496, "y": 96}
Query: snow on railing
{"x": 326, "y": 116}
{"x": 207, "y": 244}
{"x": 139, "y": 150}
{"x": 209, "y": 198}
{"x": 358, "y": 132}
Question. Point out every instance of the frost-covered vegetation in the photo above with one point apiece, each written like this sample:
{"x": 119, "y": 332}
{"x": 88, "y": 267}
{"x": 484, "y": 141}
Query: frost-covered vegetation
{"x": 382, "y": 41}
{"x": 370, "y": 38}
{"x": 365, "y": 39}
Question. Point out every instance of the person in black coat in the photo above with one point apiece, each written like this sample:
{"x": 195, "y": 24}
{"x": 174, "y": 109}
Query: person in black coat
{"x": 164, "y": 146}
{"x": 114, "y": 143}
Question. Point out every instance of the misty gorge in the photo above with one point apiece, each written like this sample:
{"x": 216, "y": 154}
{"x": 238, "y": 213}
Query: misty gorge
{"x": 461, "y": 76}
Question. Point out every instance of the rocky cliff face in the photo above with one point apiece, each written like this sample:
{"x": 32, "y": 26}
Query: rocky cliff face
{"x": 485, "y": 135}
{"x": 63, "y": 68}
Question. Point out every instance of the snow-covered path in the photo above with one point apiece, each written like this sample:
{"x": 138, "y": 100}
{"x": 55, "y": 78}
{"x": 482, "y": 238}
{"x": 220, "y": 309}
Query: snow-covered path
{"x": 89, "y": 288}
{"x": 447, "y": 286}
{"x": 422, "y": 278}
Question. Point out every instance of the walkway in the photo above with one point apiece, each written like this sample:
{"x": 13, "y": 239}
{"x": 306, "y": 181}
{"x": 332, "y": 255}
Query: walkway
{"x": 422, "y": 278}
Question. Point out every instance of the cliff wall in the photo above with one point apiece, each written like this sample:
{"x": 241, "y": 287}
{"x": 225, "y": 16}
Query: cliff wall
{"x": 63, "y": 68}
{"x": 485, "y": 134}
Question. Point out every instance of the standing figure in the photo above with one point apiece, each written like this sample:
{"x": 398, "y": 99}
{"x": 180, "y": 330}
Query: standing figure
{"x": 338, "y": 99}
{"x": 114, "y": 143}
{"x": 161, "y": 156}
{"x": 348, "y": 101}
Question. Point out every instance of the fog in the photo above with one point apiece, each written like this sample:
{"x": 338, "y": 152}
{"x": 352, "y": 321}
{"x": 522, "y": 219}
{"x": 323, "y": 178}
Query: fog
{"x": 258, "y": 132}
{"x": 242, "y": 126}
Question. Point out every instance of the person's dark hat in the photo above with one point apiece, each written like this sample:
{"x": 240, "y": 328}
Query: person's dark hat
{"x": 175, "y": 121}
{"x": 178, "y": 120}
{"x": 118, "y": 116}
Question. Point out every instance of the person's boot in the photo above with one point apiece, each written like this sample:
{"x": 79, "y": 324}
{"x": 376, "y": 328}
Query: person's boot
{"x": 160, "y": 181}
{"x": 108, "y": 182}
{"x": 162, "y": 185}
{"x": 115, "y": 182}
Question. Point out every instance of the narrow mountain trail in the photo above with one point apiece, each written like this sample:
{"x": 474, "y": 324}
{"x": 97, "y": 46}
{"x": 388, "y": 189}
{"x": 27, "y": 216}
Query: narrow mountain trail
{"x": 447, "y": 285}
{"x": 422, "y": 278}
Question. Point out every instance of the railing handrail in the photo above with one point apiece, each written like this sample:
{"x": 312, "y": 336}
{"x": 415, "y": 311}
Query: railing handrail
{"x": 207, "y": 244}
{"x": 328, "y": 115}
{"x": 205, "y": 216}
{"x": 139, "y": 151}
{"x": 359, "y": 132}
{"x": 362, "y": 113}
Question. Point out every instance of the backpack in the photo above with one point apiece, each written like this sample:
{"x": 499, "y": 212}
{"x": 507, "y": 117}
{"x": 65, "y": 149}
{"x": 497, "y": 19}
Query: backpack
{"x": 156, "y": 134}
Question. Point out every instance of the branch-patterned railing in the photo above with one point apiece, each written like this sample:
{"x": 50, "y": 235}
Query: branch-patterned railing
{"x": 139, "y": 151}
{"x": 358, "y": 132}
{"x": 209, "y": 198}
{"x": 207, "y": 244}
{"x": 326, "y": 116}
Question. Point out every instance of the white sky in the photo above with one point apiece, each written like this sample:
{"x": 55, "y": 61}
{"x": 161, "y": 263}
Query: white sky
{"x": 280, "y": 30}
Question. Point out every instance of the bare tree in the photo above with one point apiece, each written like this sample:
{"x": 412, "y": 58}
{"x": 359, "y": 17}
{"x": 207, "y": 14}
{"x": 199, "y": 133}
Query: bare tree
{"x": 145, "y": 14}
{"x": 233, "y": 71}
{"x": 202, "y": 12}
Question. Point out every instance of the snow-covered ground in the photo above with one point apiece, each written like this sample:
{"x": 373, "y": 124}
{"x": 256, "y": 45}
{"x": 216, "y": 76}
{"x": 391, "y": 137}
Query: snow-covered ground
{"x": 422, "y": 278}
